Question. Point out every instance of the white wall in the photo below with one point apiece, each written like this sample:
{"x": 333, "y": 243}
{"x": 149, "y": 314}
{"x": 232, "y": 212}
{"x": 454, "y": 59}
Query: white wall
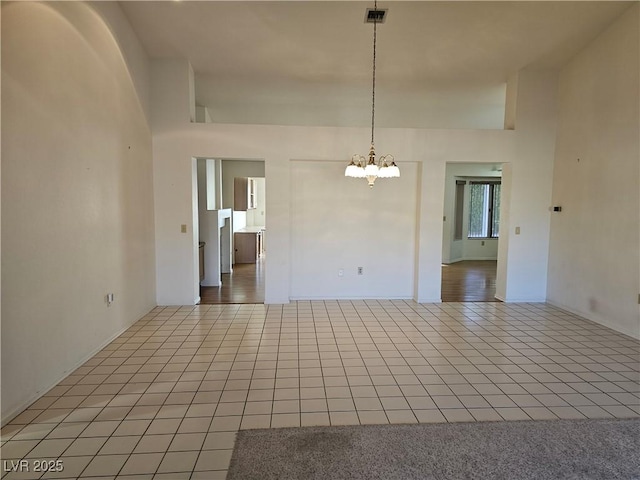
{"x": 77, "y": 199}
{"x": 340, "y": 224}
{"x": 208, "y": 188}
{"x": 595, "y": 241}
{"x": 173, "y": 198}
{"x": 129, "y": 48}
{"x": 203, "y": 191}
{"x": 177, "y": 140}
{"x": 202, "y": 114}
{"x": 526, "y": 192}
{"x": 209, "y": 222}
{"x": 529, "y": 149}
{"x": 216, "y": 249}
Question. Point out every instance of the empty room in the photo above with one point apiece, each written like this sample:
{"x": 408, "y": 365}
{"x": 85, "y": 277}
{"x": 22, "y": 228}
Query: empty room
{"x": 390, "y": 144}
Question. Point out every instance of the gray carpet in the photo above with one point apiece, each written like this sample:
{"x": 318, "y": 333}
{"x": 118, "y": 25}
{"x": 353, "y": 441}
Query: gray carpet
{"x": 555, "y": 449}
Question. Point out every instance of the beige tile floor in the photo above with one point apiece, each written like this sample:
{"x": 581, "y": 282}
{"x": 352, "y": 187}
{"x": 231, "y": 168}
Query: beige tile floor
{"x": 166, "y": 398}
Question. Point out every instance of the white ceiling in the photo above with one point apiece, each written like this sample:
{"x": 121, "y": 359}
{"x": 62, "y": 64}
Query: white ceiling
{"x": 440, "y": 64}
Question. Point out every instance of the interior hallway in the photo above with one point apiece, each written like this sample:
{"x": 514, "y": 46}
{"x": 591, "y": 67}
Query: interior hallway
{"x": 166, "y": 398}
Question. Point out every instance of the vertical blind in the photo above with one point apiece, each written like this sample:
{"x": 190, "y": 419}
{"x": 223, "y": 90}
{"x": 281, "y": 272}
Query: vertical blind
{"x": 484, "y": 209}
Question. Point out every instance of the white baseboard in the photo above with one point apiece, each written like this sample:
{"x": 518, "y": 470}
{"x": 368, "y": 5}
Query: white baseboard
{"x": 522, "y": 300}
{"x": 351, "y": 297}
{"x": 24, "y": 405}
{"x": 457, "y": 260}
{"x": 595, "y": 319}
{"x": 450, "y": 261}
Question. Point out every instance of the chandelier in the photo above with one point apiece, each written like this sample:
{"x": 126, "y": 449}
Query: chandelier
{"x": 385, "y": 166}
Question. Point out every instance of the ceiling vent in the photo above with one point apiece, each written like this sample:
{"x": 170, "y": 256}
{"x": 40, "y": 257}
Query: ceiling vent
{"x": 379, "y": 16}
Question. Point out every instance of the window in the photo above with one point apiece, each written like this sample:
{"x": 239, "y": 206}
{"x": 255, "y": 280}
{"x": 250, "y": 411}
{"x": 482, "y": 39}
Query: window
{"x": 484, "y": 210}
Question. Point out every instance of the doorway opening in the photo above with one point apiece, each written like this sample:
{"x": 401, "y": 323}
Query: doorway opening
{"x": 232, "y": 226}
{"x": 471, "y": 232}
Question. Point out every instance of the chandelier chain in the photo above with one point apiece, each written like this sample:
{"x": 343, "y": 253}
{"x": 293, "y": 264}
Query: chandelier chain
{"x": 373, "y": 90}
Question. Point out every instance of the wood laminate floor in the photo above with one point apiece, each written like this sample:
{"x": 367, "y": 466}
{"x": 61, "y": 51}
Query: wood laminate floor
{"x": 244, "y": 285}
{"x": 469, "y": 281}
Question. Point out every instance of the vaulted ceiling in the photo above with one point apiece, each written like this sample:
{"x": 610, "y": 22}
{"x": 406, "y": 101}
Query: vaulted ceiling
{"x": 439, "y": 64}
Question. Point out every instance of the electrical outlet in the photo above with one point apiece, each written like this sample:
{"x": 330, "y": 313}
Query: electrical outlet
{"x": 341, "y": 272}
{"x": 360, "y": 271}
{"x": 482, "y": 243}
{"x": 183, "y": 228}
{"x": 517, "y": 230}
{"x": 109, "y": 298}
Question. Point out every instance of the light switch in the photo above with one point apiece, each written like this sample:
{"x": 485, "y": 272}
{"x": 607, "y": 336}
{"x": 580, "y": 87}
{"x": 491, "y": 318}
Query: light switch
{"x": 183, "y": 228}
{"x": 517, "y": 230}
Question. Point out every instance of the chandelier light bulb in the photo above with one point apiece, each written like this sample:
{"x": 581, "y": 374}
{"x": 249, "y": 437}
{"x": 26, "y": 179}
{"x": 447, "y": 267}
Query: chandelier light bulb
{"x": 371, "y": 170}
